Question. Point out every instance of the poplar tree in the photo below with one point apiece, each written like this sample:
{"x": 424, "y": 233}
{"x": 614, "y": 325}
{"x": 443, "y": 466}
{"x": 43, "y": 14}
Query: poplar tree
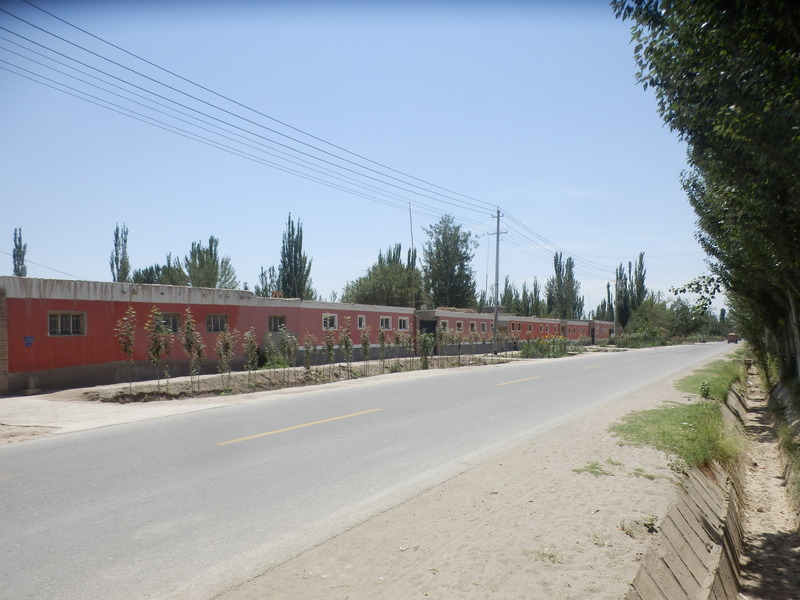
{"x": 294, "y": 269}
{"x": 725, "y": 80}
{"x": 562, "y": 290}
{"x": 119, "y": 262}
{"x": 18, "y": 255}
{"x": 205, "y": 268}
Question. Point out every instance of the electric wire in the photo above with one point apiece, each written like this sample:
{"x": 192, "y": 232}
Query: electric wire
{"x": 520, "y": 236}
{"x": 250, "y": 121}
{"x": 232, "y": 101}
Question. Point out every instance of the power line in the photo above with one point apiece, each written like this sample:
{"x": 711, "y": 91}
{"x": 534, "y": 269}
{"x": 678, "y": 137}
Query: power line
{"x": 284, "y": 124}
{"x": 330, "y": 169}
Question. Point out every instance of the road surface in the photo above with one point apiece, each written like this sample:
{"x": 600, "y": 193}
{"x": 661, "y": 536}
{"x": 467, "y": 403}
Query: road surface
{"x": 189, "y": 505}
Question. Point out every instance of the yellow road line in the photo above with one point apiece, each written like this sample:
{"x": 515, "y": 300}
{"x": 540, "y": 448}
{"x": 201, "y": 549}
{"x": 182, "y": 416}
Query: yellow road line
{"x": 519, "y": 380}
{"x": 258, "y": 435}
{"x": 593, "y": 367}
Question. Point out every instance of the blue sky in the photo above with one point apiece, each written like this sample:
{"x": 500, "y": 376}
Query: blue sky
{"x": 531, "y": 107}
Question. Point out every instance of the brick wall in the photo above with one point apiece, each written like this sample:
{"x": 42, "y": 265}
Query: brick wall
{"x": 3, "y": 343}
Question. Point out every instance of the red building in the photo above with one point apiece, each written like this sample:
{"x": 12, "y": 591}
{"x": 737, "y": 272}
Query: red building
{"x": 62, "y": 333}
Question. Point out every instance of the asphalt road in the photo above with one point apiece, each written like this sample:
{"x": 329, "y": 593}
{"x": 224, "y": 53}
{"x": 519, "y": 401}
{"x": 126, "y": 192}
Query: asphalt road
{"x": 189, "y": 505}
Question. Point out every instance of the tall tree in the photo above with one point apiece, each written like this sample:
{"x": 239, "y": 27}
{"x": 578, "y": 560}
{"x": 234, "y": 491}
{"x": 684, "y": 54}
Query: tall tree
{"x": 170, "y": 273}
{"x": 267, "y": 283}
{"x": 636, "y": 280}
{"x": 605, "y": 310}
{"x": 389, "y": 282}
{"x": 205, "y": 268}
{"x": 449, "y": 278}
{"x": 119, "y": 262}
{"x": 622, "y": 304}
{"x": 725, "y": 78}
{"x": 18, "y": 254}
{"x": 562, "y": 290}
{"x": 294, "y": 269}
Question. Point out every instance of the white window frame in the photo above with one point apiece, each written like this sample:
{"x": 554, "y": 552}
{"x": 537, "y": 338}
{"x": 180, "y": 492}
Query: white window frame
{"x": 473, "y": 327}
{"x": 483, "y": 326}
{"x": 329, "y": 319}
{"x": 460, "y": 326}
{"x": 385, "y": 323}
{"x": 402, "y": 323}
{"x": 362, "y": 321}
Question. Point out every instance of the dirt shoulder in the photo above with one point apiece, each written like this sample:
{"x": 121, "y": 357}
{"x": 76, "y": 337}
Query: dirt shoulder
{"x": 533, "y": 523}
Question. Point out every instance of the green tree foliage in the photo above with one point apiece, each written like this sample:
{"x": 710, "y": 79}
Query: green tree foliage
{"x": 525, "y": 302}
{"x": 18, "y": 255}
{"x": 125, "y": 332}
{"x": 346, "y": 344}
{"x": 562, "y": 290}
{"x": 159, "y": 341}
{"x": 622, "y": 308}
{"x": 225, "y": 348}
{"x": 205, "y": 268}
{"x": 267, "y": 283}
{"x": 293, "y": 277}
{"x": 250, "y": 349}
{"x": 449, "y": 278}
{"x": 605, "y": 310}
{"x": 194, "y": 347}
{"x": 119, "y": 262}
{"x": 388, "y": 282}
{"x": 725, "y": 78}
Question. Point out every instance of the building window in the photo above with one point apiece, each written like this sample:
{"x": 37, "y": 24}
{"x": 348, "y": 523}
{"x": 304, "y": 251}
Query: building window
{"x": 547, "y": 328}
{"x": 540, "y": 327}
{"x": 483, "y": 327}
{"x": 67, "y": 323}
{"x": 216, "y": 322}
{"x": 402, "y": 323}
{"x": 386, "y": 323}
{"x": 513, "y": 326}
{"x": 172, "y": 321}
{"x": 444, "y": 324}
{"x": 459, "y": 326}
{"x": 276, "y": 322}
{"x": 329, "y": 321}
{"x": 530, "y": 327}
{"x": 362, "y": 321}
{"x": 473, "y": 326}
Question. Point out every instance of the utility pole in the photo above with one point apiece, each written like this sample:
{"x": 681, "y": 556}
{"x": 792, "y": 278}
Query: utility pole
{"x": 496, "y": 281}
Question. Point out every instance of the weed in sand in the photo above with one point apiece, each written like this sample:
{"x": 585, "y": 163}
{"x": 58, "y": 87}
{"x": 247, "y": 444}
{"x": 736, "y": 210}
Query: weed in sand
{"x": 593, "y": 468}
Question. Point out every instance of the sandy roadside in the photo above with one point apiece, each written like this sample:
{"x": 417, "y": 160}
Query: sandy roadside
{"x": 527, "y": 524}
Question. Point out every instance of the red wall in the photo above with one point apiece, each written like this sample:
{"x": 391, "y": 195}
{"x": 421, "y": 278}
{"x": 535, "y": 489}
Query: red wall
{"x": 32, "y": 348}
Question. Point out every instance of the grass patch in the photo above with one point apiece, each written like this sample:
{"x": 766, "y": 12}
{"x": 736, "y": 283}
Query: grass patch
{"x": 639, "y": 472}
{"x": 593, "y": 468}
{"x": 714, "y": 379}
{"x": 696, "y": 434}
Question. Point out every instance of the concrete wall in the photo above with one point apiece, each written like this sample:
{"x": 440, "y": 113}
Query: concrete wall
{"x": 696, "y": 555}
